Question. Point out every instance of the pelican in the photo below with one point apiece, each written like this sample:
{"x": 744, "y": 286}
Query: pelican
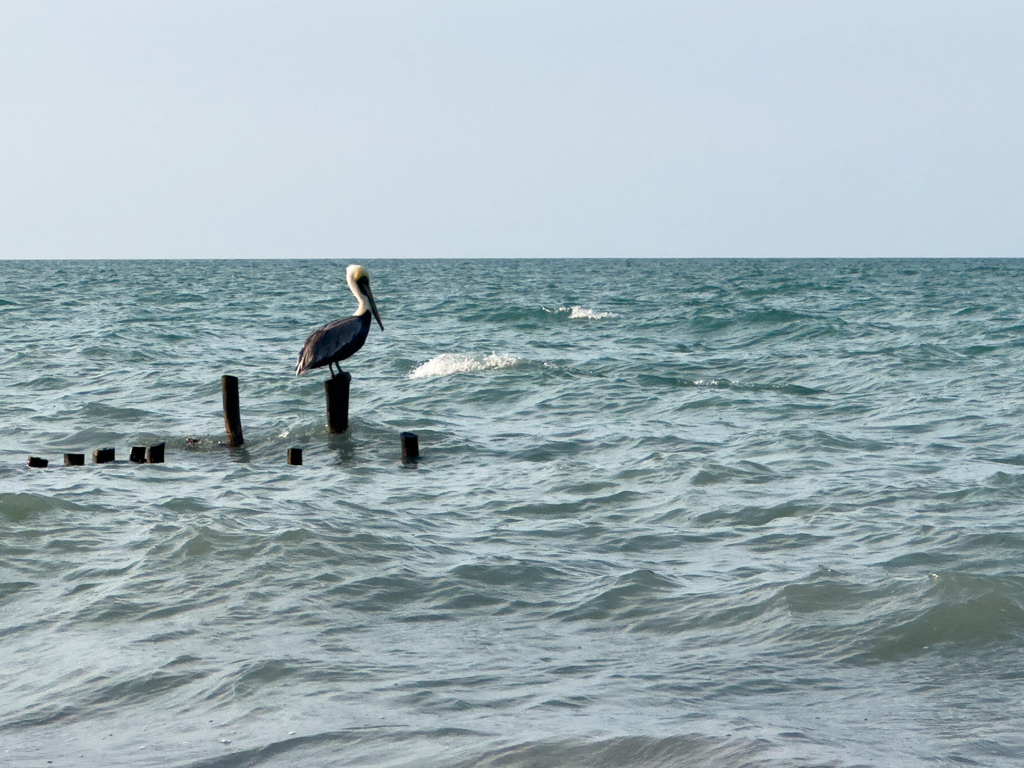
{"x": 343, "y": 338}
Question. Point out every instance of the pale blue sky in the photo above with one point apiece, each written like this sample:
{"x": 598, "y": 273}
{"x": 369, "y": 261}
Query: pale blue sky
{"x": 222, "y": 128}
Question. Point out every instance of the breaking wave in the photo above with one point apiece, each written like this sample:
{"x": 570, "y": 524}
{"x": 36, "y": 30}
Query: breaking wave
{"x": 576, "y": 312}
{"x": 448, "y": 364}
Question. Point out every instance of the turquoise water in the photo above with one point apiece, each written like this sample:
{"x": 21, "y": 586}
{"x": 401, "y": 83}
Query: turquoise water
{"x": 667, "y": 513}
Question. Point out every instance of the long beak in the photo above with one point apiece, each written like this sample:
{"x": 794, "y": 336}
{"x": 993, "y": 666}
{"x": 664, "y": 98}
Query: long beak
{"x": 373, "y": 304}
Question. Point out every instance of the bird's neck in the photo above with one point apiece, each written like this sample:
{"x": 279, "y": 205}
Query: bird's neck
{"x": 363, "y": 308}
{"x": 359, "y": 297}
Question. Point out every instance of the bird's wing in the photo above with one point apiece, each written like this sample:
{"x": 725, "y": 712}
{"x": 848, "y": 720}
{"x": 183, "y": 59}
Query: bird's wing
{"x": 324, "y": 343}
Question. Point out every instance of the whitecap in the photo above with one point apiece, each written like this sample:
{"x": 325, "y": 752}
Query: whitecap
{"x": 576, "y": 312}
{"x": 448, "y": 363}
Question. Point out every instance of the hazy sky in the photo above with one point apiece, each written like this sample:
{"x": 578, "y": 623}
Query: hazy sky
{"x": 223, "y": 128}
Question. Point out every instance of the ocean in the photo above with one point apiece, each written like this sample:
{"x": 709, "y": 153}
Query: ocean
{"x": 666, "y": 513}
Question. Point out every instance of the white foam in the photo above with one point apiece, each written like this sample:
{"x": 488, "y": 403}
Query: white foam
{"x": 447, "y": 364}
{"x": 576, "y": 312}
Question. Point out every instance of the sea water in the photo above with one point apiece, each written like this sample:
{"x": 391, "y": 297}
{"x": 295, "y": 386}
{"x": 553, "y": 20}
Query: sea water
{"x": 667, "y": 512}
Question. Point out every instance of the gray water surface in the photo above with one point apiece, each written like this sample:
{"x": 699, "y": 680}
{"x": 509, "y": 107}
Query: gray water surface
{"x": 737, "y": 513}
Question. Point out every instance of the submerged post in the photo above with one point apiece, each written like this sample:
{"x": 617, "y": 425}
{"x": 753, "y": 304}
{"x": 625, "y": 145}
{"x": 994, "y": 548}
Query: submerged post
{"x": 102, "y": 455}
{"x": 155, "y": 455}
{"x": 137, "y": 455}
{"x": 232, "y": 419}
{"x": 295, "y": 457}
{"x": 410, "y": 447}
{"x": 38, "y": 462}
{"x": 74, "y": 459}
{"x": 337, "y": 402}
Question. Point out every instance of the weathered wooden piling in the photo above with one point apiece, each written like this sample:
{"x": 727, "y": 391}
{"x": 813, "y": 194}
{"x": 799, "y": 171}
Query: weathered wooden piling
{"x": 155, "y": 454}
{"x": 39, "y": 463}
{"x": 337, "y": 402}
{"x": 74, "y": 459}
{"x": 138, "y": 454}
{"x": 232, "y": 419}
{"x": 410, "y": 447}
{"x": 102, "y": 455}
{"x": 295, "y": 457}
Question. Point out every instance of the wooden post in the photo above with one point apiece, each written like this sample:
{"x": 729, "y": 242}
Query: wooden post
{"x": 232, "y": 420}
{"x": 74, "y": 459}
{"x": 337, "y": 402}
{"x": 35, "y": 461}
{"x": 138, "y": 454}
{"x": 156, "y": 454}
{"x": 410, "y": 447}
{"x": 103, "y": 456}
{"x": 295, "y": 457}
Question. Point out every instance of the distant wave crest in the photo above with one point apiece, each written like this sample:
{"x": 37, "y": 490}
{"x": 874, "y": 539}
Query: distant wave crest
{"x": 576, "y": 312}
{"x": 447, "y": 364}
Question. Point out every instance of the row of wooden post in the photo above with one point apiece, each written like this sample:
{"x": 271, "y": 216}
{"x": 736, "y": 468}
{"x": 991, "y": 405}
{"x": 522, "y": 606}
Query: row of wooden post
{"x": 337, "y": 389}
{"x": 139, "y": 455}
